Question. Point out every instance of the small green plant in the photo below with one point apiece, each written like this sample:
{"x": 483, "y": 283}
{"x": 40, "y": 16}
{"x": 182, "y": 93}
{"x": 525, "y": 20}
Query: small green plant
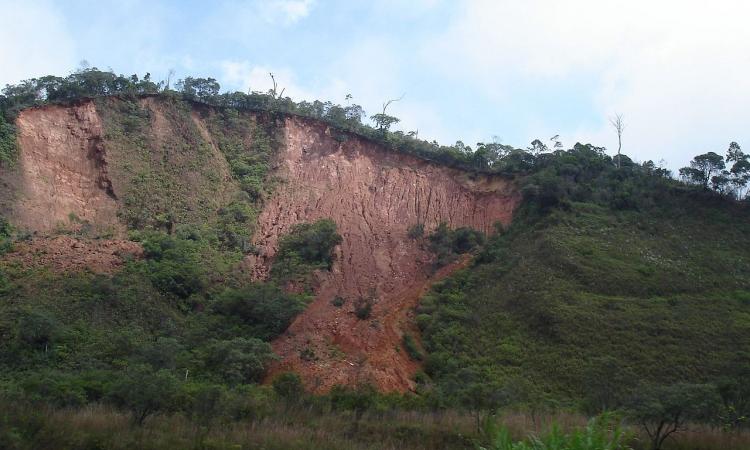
{"x": 307, "y": 354}
{"x": 410, "y": 344}
{"x": 363, "y": 307}
{"x": 338, "y": 301}
{"x": 8, "y": 144}
{"x": 416, "y": 231}
{"x": 601, "y": 433}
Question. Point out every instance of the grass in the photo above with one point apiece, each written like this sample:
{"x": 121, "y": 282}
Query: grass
{"x": 550, "y": 301}
{"x": 307, "y": 427}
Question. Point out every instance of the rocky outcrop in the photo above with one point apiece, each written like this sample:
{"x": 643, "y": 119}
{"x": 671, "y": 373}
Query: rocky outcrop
{"x": 62, "y": 178}
{"x": 374, "y": 196}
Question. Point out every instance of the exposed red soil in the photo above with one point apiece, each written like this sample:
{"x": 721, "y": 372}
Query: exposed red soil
{"x": 374, "y": 196}
{"x": 62, "y": 176}
{"x": 65, "y": 180}
{"x": 68, "y": 254}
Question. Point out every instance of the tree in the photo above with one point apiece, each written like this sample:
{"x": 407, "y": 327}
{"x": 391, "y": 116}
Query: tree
{"x": 703, "y": 168}
{"x": 664, "y": 410}
{"x": 241, "y": 360}
{"x": 383, "y": 120}
{"x": 203, "y": 89}
{"x": 537, "y": 147}
{"x": 288, "y": 386}
{"x": 619, "y": 127}
{"x": 144, "y": 392}
{"x": 739, "y": 174}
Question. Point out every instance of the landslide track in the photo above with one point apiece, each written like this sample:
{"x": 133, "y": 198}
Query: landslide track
{"x": 72, "y": 172}
{"x": 374, "y": 195}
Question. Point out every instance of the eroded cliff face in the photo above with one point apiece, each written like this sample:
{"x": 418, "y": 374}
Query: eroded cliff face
{"x": 62, "y": 175}
{"x": 80, "y": 166}
{"x": 374, "y": 196}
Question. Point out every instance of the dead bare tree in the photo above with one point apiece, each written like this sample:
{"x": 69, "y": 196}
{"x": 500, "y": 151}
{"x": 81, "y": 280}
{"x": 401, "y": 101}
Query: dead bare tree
{"x": 170, "y": 74}
{"x": 275, "y": 86}
{"x": 619, "y": 126}
{"x": 388, "y": 103}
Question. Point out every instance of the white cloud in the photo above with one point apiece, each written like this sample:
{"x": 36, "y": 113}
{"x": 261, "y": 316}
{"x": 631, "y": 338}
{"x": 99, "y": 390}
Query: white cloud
{"x": 676, "y": 69}
{"x": 285, "y": 11}
{"x": 243, "y": 76}
{"x": 34, "y": 40}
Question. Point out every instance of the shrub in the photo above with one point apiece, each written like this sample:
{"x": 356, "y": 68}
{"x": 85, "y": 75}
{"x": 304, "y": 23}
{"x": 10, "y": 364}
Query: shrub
{"x": 416, "y": 231}
{"x": 599, "y": 434}
{"x": 262, "y": 310}
{"x": 288, "y": 386}
{"x": 411, "y": 348}
{"x": 446, "y": 244}
{"x": 338, "y": 301}
{"x": 363, "y": 307}
{"x": 8, "y": 145}
{"x": 144, "y": 392}
{"x": 307, "y": 247}
{"x": 239, "y": 360}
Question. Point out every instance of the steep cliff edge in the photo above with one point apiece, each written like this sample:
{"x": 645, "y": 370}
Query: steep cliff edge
{"x": 374, "y": 196}
{"x": 61, "y": 178}
{"x": 115, "y": 164}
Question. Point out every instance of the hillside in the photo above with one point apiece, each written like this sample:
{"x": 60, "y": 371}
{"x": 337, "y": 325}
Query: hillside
{"x": 184, "y": 260}
{"x": 102, "y": 168}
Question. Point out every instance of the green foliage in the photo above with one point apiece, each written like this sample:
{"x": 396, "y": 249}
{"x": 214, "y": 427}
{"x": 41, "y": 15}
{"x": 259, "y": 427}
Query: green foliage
{"x": 447, "y": 244}
{"x": 594, "y": 289}
{"x": 288, "y": 386}
{"x": 665, "y": 410}
{"x": 144, "y": 392}
{"x": 261, "y": 309}
{"x": 8, "y": 145}
{"x": 415, "y": 231}
{"x": 172, "y": 264}
{"x": 599, "y": 434}
{"x": 363, "y": 307}
{"x": 703, "y": 168}
{"x": 240, "y": 360}
{"x": 411, "y": 348}
{"x": 307, "y": 247}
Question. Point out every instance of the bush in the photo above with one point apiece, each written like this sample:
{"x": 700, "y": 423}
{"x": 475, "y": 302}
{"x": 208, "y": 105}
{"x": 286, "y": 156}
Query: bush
{"x": 239, "y": 360}
{"x": 446, "y": 244}
{"x": 411, "y": 348}
{"x": 288, "y": 386}
{"x": 8, "y": 145}
{"x": 144, "y": 392}
{"x": 307, "y": 247}
{"x": 363, "y": 307}
{"x": 416, "y": 231}
{"x": 600, "y": 433}
{"x": 261, "y": 310}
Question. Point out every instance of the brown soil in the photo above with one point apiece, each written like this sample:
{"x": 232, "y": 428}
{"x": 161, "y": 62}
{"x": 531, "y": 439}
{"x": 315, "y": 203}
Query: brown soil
{"x": 374, "y": 196}
{"x": 69, "y": 254}
{"x": 62, "y": 173}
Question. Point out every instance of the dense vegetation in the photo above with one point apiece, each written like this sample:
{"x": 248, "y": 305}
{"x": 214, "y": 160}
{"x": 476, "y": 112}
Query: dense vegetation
{"x": 616, "y": 287}
{"x": 612, "y": 289}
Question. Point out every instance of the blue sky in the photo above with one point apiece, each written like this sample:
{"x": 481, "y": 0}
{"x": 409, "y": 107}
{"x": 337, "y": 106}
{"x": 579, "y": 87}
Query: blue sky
{"x": 679, "y": 71}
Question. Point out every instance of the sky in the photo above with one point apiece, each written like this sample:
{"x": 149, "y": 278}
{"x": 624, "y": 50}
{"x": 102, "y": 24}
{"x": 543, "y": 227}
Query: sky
{"x": 474, "y": 70}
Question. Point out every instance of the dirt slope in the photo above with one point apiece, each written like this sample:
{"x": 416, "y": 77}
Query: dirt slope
{"x": 88, "y": 168}
{"x": 62, "y": 170}
{"x": 374, "y": 196}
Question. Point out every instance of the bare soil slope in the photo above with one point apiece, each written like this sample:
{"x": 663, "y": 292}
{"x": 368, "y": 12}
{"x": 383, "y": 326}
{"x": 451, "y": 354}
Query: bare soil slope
{"x": 374, "y": 196}
{"x": 156, "y": 163}
{"x": 62, "y": 177}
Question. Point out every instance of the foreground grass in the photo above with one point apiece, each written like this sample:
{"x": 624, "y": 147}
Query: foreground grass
{"x": 101, "y": 427}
